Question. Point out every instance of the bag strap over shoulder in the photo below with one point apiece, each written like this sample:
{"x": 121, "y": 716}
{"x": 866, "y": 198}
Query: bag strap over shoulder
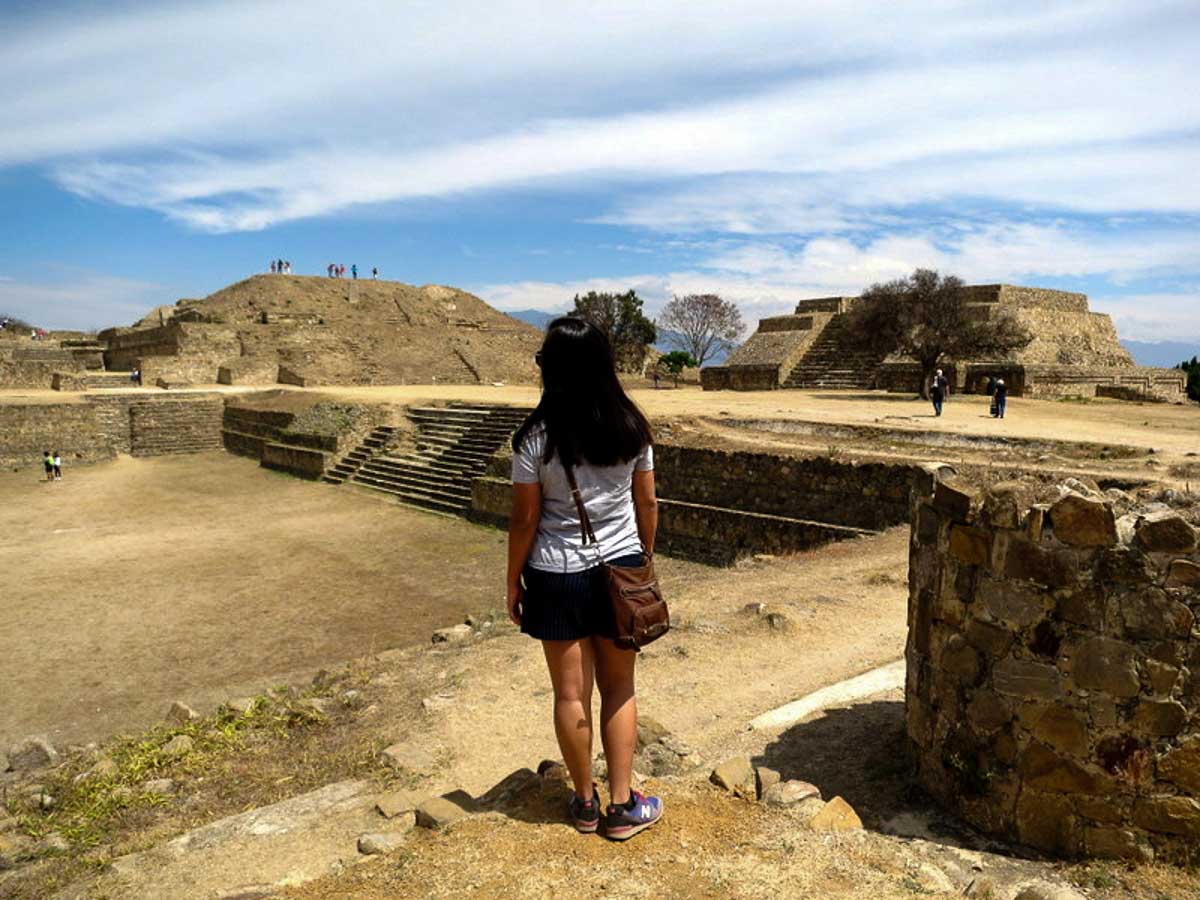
{"x": 585, "y": 524}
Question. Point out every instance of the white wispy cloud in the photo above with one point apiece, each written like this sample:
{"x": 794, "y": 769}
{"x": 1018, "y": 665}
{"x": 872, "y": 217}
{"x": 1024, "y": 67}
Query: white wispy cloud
{"x": 79, "y": 300}
{"x": 230, "y": 117}
{"x": 816, "y": 147}
{"x": 768, "y": 278}
{"x": 1154, "y": 317}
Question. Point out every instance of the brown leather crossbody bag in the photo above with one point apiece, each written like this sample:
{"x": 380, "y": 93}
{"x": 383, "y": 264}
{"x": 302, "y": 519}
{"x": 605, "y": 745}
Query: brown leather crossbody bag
{"x": 640, "y": 613}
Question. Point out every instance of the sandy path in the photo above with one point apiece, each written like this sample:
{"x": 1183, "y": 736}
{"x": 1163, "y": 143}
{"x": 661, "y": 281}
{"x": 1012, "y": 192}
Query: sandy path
{"x": 846, "y": 604}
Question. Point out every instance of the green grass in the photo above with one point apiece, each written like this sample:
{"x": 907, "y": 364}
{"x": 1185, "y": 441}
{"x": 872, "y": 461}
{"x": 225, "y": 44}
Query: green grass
{"x": 87, "y": 808}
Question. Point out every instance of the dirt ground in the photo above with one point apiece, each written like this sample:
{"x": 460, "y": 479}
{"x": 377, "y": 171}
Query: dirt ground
{"x": 1171, "y": 430}
{"x": 133, "y": 583}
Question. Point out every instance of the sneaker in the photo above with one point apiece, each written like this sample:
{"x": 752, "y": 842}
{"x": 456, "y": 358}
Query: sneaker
{"x": 585, "y": 815}
{"x": 624, "y": 821}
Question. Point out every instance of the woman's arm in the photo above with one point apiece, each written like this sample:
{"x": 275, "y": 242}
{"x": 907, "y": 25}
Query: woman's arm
{"x": 645, "y": 508}
{"x": 522, "y": 529}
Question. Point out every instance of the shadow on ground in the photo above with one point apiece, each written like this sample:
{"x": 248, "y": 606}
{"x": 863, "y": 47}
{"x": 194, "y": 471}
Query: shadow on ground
{"x": 860, "y": 753}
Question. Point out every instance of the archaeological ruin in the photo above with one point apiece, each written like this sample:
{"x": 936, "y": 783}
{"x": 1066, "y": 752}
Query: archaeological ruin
{"x": 1053, "y": 681}
{"x": 285, "y": 329}
{"x": 1074, "y": 353}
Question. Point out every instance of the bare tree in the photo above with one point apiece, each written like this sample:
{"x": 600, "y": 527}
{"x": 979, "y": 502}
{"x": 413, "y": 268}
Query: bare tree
{"x": 926, "y": 316}
{"x": 701, "y": 324}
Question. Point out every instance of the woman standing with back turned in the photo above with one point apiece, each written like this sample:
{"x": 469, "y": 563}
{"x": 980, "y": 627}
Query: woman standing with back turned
{"x": 556, "y": 591}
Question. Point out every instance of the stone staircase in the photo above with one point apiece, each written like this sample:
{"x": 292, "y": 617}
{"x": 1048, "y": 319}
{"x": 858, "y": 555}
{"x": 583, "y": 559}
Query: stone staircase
{"x": 348, "y": 466}
{"x": 93, "y": 380}
{"x": 453, "y": 446}
{"x": 836, "y": 360}
{"x": 161, "y": 426}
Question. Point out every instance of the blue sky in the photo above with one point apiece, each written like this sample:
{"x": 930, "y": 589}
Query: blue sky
{"x": 525, "y": 151}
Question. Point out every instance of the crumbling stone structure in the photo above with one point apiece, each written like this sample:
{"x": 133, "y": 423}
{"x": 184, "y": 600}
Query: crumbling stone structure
{"x": 1074, "y": 353}
{"x": 719, "y": 506}
{"x": 1053, "y": 689}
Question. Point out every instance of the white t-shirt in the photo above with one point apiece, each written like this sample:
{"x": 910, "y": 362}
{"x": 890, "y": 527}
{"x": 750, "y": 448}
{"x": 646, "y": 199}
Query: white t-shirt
{"x": 607, "y": 493}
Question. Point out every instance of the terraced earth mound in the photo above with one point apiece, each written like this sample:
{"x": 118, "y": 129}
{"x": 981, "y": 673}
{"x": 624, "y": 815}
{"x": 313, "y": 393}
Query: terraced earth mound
{"x": 303, "y": 330}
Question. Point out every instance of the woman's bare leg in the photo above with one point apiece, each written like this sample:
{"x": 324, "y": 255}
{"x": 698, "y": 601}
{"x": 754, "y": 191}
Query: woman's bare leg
{"x": 618, "y": 713}
{"x": 572, "y": 672}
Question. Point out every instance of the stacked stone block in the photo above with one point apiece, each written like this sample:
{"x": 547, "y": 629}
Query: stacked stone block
{"x": 160, "y": 426}
{"x": 1053, "y": 691}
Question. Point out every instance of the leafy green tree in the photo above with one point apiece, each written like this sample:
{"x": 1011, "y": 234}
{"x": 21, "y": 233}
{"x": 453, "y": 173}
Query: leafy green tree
{"x": 926, "y": 316}
{"x": 1192, "y": 368}
{"x": 676, "y": 361}
{"x": 620, "y": 317}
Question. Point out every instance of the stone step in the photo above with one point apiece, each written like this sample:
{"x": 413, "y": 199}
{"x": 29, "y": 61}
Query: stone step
{"x": 426, "y": 499}
{"x": 413, "y": 483}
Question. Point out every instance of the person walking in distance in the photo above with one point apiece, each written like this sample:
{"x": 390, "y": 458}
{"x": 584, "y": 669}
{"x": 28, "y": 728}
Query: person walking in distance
{"x": 272, "y": 267}
{"x": 48, "y": 464}
{"x": 374, "y": 273}
{"x": 1000, "y": 398}
{"x": 938, "y": 388}
{"x": 57, "y": 466}
{"x": 354, "y": 271}
{"x": 556, "y": 588}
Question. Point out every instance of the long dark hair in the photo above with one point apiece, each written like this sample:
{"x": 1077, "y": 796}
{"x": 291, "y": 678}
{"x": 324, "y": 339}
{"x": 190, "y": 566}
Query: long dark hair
{"x": 584, "y": 409}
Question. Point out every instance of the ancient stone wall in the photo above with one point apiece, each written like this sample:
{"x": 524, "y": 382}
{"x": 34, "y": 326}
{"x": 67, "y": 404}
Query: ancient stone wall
{"x": 1053, "y": 689}
{"x": 98, "y": 428}
{"x": 718, "y": 507}
{"x": 77, "y": 430}
{"x": 830, "y": 305}
{"x": 303, "y": 444}
{"x": 740, "y": 378}
{"x": 175, "y": 351}
{"x": 28, "y": 364}
{"x": 852, "y": 494}
{"x": 721, "y": 536}
{"x": 1053, "y": 382}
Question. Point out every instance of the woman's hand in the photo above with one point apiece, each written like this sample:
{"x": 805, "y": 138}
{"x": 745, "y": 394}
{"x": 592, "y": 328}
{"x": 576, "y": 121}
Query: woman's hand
{"x": 516, "y": 594}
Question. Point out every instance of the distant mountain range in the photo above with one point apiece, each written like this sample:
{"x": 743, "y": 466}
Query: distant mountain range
{"x": 1163, "y": 354}
{"x": 540, "y": 319}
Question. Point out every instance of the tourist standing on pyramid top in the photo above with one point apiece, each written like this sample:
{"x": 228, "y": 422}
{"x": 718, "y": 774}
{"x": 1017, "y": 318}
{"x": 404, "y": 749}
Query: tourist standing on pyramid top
{"x": 375, "y": 273}
{"x": 272, "y": 267}
{"x": 585, "y": 447}
{"x": 354, "y": 271}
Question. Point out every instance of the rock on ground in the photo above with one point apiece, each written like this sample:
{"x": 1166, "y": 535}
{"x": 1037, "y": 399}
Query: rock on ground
{"x": 408, "y": 758}
{"x": 386, "y": 842}
{"x": 287, "y": 843}
{"x": 396, "y": 803}
{"x": 181, "y": 714}
{"x": 737, "y": 776}
{"x": 789, "y": 793}
{"x": 440, "y": 812}
{"x": 838, "y": 815}
{"x": 455, "y": 634}
{"x": 31, "y": 754}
